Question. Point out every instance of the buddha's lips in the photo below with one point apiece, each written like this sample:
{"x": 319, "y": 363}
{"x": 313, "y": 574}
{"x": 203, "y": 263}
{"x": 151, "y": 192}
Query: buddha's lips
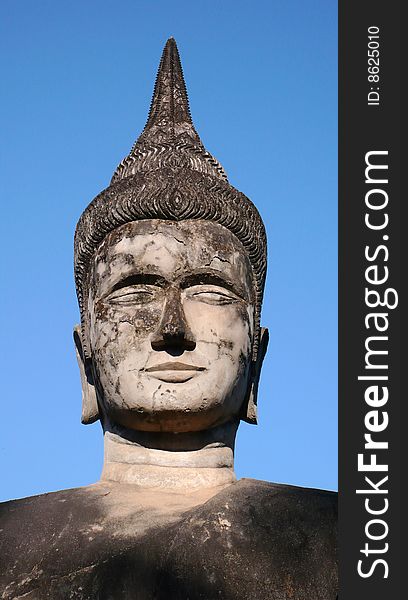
{"x": 173, "y": 366}
{"x": 174, "y": 372}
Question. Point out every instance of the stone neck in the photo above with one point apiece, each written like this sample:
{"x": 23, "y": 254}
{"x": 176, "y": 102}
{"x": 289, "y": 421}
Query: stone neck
{"x": 171, "y": 462}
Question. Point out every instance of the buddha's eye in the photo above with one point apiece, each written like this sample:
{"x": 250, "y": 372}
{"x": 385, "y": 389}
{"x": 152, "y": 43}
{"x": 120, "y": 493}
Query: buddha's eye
{"x": 131, "y": 295}
{"x": 211, "y": 294}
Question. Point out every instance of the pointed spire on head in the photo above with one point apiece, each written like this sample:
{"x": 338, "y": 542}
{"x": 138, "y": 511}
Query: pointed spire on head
{"x": 169, "y": 138}
{"x": 169, "y": 107}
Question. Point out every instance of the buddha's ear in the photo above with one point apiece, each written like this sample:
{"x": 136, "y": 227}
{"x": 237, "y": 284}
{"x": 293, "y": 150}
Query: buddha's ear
{"x": 90, "y": 412}
{"x": 250, "y": 416}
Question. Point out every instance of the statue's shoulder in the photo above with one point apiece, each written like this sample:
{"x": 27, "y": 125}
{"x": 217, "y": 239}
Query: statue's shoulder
{"x": 279, "y": 540}
{"x": 53, "y": 508}
{"x": 33, "y": 526}
{"x": 280, "y": 496}
{"x": 285, "y": 511}
{"x": 72, "y": 516}
{"x": 289, "y": 510}
{"x": 67, "y": 540}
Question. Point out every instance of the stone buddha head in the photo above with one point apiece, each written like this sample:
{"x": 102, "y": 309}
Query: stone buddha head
{"x": 170, "y": 265}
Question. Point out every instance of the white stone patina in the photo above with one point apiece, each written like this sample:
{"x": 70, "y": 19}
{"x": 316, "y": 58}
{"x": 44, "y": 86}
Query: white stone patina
{"x": 170, "y": 327}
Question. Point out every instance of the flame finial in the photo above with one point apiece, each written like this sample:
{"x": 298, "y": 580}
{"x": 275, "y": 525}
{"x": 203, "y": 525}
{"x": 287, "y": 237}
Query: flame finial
{"x": 169, "y": 138}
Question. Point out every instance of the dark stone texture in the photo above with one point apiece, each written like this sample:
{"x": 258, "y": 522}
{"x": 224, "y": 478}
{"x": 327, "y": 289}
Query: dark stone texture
{"x": 253, "y": 540}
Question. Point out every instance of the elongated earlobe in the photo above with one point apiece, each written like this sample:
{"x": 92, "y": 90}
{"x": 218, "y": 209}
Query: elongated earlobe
{"x": 90, "y": 412}
{"x": 251, "y": 414}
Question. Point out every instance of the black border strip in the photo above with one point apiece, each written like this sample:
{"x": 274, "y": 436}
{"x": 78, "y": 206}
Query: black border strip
{"x": 367, "y": 128}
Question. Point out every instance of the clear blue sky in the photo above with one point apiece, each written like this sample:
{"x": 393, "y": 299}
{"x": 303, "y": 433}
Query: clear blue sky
{"x": 77, "y": 78}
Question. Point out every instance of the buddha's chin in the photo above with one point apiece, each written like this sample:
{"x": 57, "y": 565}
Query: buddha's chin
{"x": 186, "y": 404}
{"x": 177, "y": 414}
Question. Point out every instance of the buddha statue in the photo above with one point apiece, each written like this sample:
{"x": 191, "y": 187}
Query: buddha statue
{"x": 170, "y": 264}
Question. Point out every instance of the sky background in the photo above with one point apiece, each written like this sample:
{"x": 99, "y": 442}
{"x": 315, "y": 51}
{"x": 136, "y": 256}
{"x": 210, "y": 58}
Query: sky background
{"x": 77, "y": 79}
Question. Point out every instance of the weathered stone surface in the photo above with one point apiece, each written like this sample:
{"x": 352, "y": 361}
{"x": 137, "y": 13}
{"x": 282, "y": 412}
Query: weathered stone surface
{"x": 170, "y": 265}
{"x": 251, "y": 540}
{"x": 171, "y": 325}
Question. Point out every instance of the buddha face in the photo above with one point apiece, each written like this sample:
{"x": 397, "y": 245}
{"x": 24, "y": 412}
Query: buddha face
{"x": 170, "y": 325}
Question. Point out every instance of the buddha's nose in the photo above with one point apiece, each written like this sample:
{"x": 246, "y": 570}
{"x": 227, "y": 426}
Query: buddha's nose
{"x": 173, "y": 331}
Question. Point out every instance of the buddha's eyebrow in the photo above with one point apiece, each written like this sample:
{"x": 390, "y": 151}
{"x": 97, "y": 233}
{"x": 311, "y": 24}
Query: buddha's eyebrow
{"x": 139, "y": 278}
{"x": 211, "y": 278}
